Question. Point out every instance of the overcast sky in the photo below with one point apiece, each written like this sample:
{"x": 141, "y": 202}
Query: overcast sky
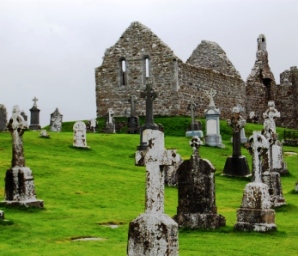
{"x": 49, "y": 49}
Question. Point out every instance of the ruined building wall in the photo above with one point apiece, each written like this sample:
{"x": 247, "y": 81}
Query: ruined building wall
{"x": 286, "y": 99}
{"x": 260, "y": 84}
{"x": 143, "y": 54}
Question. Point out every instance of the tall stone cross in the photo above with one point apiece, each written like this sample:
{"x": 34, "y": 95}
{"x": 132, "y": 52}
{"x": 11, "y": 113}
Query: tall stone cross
{"x": 153, "y": 232}
{"x": 192, "y": 107}
{"x": 132, "y": 101}
{"x": 259, "y": 146}
{"x": 17, "y": 126}
{"x": 269, "y": 119}
{"x": 150, "y": 95}
{"x": 237, "y": 122}
{"x": 35, "y": 100}
{"x": 211, "y": 93}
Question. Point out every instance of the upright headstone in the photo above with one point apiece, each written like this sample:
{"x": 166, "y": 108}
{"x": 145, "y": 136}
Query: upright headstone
{"x": 3, "y": 118}
{"x": 79, "y": 135}
{"x": 153, "y": 232}
{"x": 196, "y": 192}
{"x": 56, "y": 121}
{"x": 133, "y": 123}
{"x": 194, "y": 129}
{"x": 19, "y": 185}
{"x": 110, "y": 122}
{"x": 23, "y": 114}
{"x": 34, "y": 120}
{"x": 278, "y": 164}
{"x": 273, "y": 163}
{"x": 213, "y": 137}
{"x": 255, "y": 213}
{"x": 236, "y": 165}
{"x": 91, "y": 125}
{"x": 171, "y": 178}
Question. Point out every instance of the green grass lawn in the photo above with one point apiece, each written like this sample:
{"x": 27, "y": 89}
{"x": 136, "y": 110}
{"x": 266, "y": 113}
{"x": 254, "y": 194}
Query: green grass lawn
{"x": 86, "y": 190}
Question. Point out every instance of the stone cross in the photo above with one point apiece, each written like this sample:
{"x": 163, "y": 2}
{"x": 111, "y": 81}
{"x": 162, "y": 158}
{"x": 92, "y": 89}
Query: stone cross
{"x": 150, "y": 95}
{"x": 195, "y": 143}
{"x": 269, "y": 119}
{"x": 211, "y": 93}
{"x": 17, "y": 126}
{"x": 192, "y": 107}
{"x": 146, "y": 237}
{"x": 34, "y": 100}
{"x": 132, "y": 101}
{"x": 237, "y": 122}
{"x": 259, "y": 146}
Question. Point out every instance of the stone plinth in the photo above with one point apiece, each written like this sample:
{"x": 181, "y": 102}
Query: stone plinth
{"x": 152, "y": 234}
{"x": 19, "y": 188}
{"x": 236, "y": 167}
{"x": 255, "y": 213}
{"x": 34, "y": 119}
{"x": 196, "y": 193}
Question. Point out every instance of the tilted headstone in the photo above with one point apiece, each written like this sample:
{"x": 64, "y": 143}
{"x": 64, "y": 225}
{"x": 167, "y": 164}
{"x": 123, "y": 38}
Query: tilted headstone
{"x": 194, "y": 129}
{"x": 3, "y": 118}
{"x": 196, "y": 192}
{"x": 34, "y": 118}
{"x": 133, "y": 123}
{"x": 278, "y": 164}
{"x": 145, "y": 236}
{"x": 255, "y": 213}
{"x": 110, "y": 121}
{"x": 56, "y": 121}
{"x": 213, "y": 137}
{"x": 236, "y": 165}
{"x": 19, "y": 185}
{"x": 153, "y": 232}
{"x": 79, "y": 135}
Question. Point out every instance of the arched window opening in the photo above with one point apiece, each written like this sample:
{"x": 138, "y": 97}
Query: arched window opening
{"x": 123, "y": 72}
{"x": 147, "y": 69}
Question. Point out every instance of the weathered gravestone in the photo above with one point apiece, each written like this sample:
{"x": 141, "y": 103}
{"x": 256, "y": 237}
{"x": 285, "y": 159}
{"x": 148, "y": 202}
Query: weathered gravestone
{"x": 277, "y": 164}
{"x": 91, "y": 125}
{"x": 133, "y": 123}
{"x": 213, "y": 137}
{"x": 110, "y": 122}
{"x": 196, "y": 192}
{"x": 1, "y": 215}
{"x": 171, "y": 178}
{"x": 194, "y": 129}
{"x": 34, "y": 118}
{"x": 56, "y": 121}
{"x": 3, "y": 118}
{"x": 273, "y": 162}
{"x": 255, "y": 213}
{"x": 23, "y": 114}
{"x": 153, "y": 232}
{"x": 44, "y": 134}
{"x": 79, "y": 135}
{"x": 236, "y": 165}
{"x": 19, "y": 185}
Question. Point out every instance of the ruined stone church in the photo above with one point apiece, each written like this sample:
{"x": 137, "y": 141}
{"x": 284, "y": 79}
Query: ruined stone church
{"x": 139, "y": 56}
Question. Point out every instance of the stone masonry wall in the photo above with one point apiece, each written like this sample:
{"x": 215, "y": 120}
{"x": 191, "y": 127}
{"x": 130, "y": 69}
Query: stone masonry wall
{"x": 175, "y": 81}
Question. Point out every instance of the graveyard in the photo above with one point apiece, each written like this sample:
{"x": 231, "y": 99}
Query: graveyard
{"x": 92, "y": 194}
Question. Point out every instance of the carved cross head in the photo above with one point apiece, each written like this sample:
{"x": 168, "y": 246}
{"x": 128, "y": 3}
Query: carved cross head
{"x": 195, "y": 143}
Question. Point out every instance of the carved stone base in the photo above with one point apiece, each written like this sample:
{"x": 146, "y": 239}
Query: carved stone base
{"x": 34, "y": 127}
{"x": 273, "y": 181}
{"x": 255, "y": 220}
{"x": 19, "y": 188}
{"x": 200, "y": 221}
{"x": 29, "y": 203}
{"x": 214, "y": 140}
{"x": 236, "y": 167}
{"x": 153, "y": 234}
